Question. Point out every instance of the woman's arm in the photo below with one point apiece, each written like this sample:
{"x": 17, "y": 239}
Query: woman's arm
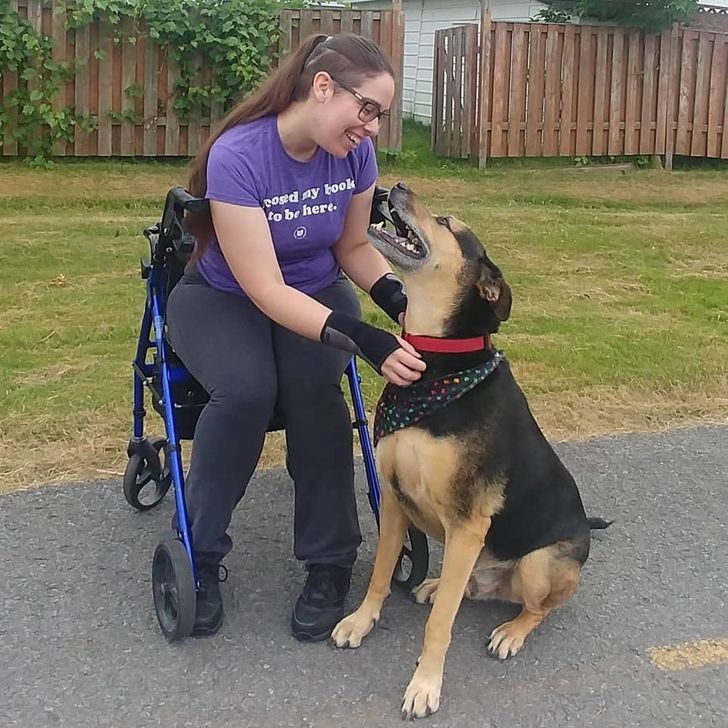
{"x": 246, "y": 243}
{"x": 252, "y": 260}
{"x": 366, "y": 266}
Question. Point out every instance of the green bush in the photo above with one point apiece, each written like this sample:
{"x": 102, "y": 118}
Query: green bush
{"x": 238, "y": 38}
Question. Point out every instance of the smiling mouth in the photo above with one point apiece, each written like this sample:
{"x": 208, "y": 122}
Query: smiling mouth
{"x": 404, "y": 240}
{"x": 354, "y": 140}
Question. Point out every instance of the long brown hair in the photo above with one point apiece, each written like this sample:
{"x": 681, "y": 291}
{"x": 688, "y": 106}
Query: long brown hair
{"x": 349, "y": 57}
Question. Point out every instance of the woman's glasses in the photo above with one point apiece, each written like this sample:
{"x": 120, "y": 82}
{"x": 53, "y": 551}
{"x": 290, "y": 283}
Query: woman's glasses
{"x": 368, "y": 108}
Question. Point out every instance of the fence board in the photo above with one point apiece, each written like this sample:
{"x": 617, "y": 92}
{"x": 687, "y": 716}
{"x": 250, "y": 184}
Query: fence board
{"x": 552, "y": 97}
{"x": 600, "y": 92}
{"x": 615, "y": 99}
{"x": 632, "y": 119}
{"x": 585, "y": 91}
{"x": 171, "y": 126}
{"x": 128, "y": 80}
{"x": 10, "y": 84}
{"x": 449, "y": 111}
{"x": 59, "y": 36}
{"x": 662, "y": 129}
{"x": 717, "y": 96}
{"x": 81, "y": 91}
{"x": 684, "y": 128}
{"x": 151, "y": 97}
{"x": 471, "y": 88}
{"x": 646, "y": 143}
{"x": 534, "y": 107}
{"x": 106, "y": 80}
{"x": 699, "y": 146}
{"x": 567, "y": 137}
{"x": 485, "y": 84}
{"x": 517, "y": 123}
{"x": 458, "y": 92}
{"x": 724, "y": 136}
{"x": 498, "y": 141}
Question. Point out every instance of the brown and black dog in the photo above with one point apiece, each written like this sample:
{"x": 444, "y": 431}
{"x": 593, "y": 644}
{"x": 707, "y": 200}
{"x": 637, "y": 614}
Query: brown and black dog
{"x": 477, "y": 474}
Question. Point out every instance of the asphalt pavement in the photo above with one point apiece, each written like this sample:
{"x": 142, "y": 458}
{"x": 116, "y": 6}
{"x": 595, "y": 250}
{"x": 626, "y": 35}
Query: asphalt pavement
{"x": 80, "y": 646}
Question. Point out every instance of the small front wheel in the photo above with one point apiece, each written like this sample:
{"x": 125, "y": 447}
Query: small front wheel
{"x": 414, "y": 561}
{"x": 146, "y": 478}
{"x": 173, "y": 588}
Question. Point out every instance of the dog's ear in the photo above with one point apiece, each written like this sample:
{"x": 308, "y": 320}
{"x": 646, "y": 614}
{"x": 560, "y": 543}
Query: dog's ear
{"x": 495, "y": 290}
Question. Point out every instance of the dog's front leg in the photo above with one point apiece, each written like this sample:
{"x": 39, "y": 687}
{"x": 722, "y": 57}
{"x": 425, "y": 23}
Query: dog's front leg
{"x": 393, "y": 523}
{"x": 463, "y": 544}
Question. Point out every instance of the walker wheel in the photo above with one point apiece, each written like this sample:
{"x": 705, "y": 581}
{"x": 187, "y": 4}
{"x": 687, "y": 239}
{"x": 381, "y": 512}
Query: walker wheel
{"x": 414, "y": 561}
{"x": 173, "y": 587}
{"x": 145, "y": 483}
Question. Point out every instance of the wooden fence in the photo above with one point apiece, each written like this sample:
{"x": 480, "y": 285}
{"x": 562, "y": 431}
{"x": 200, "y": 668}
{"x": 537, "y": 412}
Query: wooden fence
{"x": 145, "y": 123}
{"x": 570, "y": 90}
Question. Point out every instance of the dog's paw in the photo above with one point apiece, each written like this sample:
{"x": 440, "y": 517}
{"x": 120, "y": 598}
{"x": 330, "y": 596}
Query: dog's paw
{"x": 426, "y": 591}
{"x": 422, "y": 697}
{"x": 506, "y": 640}
{"x": 354, "y": 628}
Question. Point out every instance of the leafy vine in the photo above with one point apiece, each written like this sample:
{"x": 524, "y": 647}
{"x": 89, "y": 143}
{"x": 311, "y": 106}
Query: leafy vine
{"x": 237, "y": 38}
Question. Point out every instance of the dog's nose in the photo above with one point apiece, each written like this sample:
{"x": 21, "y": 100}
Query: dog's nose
{"x": 402, "y": 186}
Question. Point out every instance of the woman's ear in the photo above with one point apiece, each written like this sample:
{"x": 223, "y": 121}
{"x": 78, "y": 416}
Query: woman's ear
{"x": 322, "y": 86}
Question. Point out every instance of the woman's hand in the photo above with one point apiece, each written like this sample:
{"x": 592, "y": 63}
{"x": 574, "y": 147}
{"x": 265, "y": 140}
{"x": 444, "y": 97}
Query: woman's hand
{"x": 404, "y": 365}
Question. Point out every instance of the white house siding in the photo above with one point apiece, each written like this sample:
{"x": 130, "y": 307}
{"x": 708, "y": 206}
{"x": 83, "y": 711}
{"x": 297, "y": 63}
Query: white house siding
{"x": 422, "y": 19}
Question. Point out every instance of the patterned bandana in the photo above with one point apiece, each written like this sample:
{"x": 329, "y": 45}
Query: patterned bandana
{"x": 400, "y": 407}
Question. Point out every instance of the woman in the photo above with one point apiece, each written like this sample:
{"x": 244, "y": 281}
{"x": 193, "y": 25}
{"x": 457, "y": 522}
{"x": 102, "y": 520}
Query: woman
{"x": 264, "y": 316}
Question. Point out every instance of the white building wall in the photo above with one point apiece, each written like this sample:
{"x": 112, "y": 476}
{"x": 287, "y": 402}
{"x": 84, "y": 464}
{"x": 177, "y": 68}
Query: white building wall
{"x": 422, "y": 19}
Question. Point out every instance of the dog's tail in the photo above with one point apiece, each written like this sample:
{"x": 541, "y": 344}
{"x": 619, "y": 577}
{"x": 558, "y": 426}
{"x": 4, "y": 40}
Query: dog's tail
{"x": 598, "y": 523}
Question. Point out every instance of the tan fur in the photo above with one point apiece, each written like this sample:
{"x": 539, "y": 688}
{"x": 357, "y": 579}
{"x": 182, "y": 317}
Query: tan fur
{"x": 541, "y": 581}
{"x": 433, "y": 291}
{"x": 432, "y": 482}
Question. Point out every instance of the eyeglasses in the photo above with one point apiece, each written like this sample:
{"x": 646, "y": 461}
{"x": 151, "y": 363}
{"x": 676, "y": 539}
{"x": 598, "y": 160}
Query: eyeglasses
{"x": 368, "y": 108}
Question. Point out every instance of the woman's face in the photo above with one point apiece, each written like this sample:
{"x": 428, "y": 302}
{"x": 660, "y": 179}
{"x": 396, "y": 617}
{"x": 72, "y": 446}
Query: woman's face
{"x": 342, "y": 111}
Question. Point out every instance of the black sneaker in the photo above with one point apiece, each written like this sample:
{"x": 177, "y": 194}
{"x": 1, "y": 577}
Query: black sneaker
{"x": 209, "y": 615}
{"x": 321, "y": 604}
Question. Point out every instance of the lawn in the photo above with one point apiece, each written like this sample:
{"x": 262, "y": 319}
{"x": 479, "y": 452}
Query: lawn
{"x": 619, "y": 322}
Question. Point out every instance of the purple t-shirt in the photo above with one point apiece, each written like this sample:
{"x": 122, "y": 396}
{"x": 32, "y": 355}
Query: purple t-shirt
{"x": 305, "y": 202}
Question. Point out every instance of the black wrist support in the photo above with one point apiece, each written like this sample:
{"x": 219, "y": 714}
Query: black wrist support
{"x": 348, "y": 333}
{"x": 388, "y": 293}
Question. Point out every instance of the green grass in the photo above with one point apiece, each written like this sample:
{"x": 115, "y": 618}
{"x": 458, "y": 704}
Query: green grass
{"x": 620, "y": 316}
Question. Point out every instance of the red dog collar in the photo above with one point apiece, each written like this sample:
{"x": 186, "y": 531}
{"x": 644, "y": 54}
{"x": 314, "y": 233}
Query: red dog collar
{"x": 439, "y": 345}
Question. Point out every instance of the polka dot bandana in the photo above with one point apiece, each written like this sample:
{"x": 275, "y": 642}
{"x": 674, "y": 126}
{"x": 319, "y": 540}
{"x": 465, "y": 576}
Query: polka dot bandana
{"x": 400, "y": 407}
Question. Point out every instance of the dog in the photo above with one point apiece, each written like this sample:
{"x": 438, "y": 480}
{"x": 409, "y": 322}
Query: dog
{"x": 461, "y": 457}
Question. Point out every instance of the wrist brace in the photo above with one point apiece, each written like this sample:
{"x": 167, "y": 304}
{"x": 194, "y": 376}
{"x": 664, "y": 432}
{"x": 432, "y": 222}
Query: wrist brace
{"x": 348, "y": 333}
{"x": 388, "y": 293}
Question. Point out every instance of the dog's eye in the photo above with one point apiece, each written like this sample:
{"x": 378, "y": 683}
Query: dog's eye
{"x": 443, "y": 221}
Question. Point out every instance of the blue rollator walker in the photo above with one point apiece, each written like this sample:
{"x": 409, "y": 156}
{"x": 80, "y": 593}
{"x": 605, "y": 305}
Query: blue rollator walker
{"x": 155, "y": 463}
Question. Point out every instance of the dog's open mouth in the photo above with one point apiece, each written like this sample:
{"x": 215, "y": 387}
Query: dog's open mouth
{"x": 404, "y": 239}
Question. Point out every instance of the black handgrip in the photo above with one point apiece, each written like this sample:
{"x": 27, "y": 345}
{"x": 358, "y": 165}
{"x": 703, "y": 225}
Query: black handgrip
{"x": 172, "y": 225}
{"x": 184, "y": 199}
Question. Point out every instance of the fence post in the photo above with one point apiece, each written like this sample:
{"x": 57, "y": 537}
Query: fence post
{"x": 484, "y": 83}
{"x": 394, "y": 140}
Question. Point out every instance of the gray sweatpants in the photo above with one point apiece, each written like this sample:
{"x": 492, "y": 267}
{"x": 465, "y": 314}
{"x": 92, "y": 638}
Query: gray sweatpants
{"x": 249, "y": 366}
